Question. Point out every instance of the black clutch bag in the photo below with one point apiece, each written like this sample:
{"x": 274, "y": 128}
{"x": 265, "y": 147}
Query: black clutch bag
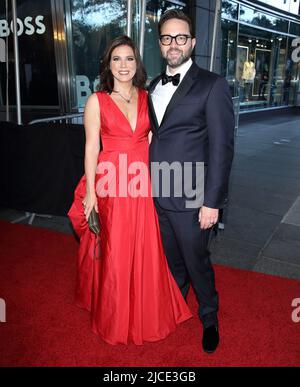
{"x": 93, "y": 221}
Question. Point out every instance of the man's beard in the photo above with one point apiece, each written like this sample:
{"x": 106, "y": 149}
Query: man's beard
{"x": 174, "y": 63}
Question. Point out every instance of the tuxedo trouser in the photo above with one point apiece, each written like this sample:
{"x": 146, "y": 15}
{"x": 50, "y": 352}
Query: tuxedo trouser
{"x": 186, "y": 248}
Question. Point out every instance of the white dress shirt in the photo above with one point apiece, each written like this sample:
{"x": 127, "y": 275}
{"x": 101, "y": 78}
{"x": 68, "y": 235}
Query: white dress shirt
{"x": 162, "y": 94}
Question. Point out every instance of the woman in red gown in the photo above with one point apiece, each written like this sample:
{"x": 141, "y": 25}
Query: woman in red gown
{"x": 129, "y": 290}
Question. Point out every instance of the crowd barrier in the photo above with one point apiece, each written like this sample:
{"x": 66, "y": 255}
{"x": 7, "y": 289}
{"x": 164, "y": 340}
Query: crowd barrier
{"x": 40, "y": 164}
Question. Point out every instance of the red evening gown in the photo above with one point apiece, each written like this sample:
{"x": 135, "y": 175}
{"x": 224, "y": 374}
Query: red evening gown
{"x": 129, "y": 290}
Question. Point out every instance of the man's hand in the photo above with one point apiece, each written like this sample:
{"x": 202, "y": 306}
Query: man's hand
{"x": 208, "y": 217}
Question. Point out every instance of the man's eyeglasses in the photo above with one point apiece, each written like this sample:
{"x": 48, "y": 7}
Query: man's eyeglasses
{"x": 166, "y": 40}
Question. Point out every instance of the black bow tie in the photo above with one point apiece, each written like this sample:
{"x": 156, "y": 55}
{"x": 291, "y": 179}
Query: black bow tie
{"x": 169, "y": 78}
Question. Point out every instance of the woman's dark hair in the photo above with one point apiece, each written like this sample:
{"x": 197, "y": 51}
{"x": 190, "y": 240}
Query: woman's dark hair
{"x": 175, "y": 14}
{"x": 106, "y": 77}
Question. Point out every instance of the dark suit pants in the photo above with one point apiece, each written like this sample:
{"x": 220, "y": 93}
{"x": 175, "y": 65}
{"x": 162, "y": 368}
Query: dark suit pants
{"x": 186, "y": 248}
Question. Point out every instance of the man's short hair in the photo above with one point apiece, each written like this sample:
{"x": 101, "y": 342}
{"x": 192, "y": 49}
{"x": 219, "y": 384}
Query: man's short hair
{"x": 175, "y": 14}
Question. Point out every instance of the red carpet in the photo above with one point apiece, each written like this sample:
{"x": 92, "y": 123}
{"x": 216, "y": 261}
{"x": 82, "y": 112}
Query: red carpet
{"x": 44, "y": 328}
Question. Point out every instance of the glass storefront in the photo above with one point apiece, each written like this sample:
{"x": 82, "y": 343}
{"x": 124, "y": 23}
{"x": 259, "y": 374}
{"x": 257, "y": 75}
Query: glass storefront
{"x": 154, "y": 9}
{"x": 95, "y": 23}
{"x": 257, "y": 57}
{"x": 61, "y": 44}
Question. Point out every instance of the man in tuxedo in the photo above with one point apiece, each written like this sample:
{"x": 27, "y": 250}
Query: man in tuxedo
{"x": 192, "y": 121}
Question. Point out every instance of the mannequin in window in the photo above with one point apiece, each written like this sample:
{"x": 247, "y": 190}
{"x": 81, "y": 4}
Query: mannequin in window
{"x": 248, "y": 75}
{"x": 263, "y": 82}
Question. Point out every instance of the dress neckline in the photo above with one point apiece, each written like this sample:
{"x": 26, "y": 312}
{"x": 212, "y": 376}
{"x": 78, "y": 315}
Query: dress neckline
{"x": 126, "y": 119}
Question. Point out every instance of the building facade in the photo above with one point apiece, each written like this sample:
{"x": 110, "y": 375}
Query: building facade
{"x": 61, "y": 44}
{"x": 260, "y": 54}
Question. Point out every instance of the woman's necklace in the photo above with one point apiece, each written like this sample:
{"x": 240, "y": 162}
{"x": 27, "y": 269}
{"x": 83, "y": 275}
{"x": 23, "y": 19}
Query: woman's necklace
{"x": 128, "y": 100}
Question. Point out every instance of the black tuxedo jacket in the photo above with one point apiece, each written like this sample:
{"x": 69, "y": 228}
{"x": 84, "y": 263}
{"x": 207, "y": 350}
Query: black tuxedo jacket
{"x": 198, "y": 126}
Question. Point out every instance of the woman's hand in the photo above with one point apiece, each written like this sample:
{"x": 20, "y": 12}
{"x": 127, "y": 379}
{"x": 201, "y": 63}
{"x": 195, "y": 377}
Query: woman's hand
{"x": 89, "y": 202}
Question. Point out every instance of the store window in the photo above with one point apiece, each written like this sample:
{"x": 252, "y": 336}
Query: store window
{"x": 295, "y": 29}
{"x": 228, "y": 54}
{"x": 265, "y": 73}
{"x": 229, "y": 10}
{"x": 38, "y": 77}
{"x": 94, "y": 25}
{"x": 292, "y": 71}
{"x": 255, "y": 17}
{"x": 152, "y": 58}
{"x": 262, "y": 69}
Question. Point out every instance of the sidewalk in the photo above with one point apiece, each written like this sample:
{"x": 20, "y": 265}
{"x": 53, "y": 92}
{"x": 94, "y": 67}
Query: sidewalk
{"x": 262, "y": 230}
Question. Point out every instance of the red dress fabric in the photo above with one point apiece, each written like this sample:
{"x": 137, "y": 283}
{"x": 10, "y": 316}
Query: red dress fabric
{"x": 129, "y": 290}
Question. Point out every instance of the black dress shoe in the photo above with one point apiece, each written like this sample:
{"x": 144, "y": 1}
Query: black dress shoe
{"x": 210, "y": 339}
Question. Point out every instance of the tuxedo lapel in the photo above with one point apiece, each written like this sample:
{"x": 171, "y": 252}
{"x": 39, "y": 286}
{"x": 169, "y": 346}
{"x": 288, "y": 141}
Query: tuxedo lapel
{"x": 152, "y": 113}
{"x": 181, "y": 90}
